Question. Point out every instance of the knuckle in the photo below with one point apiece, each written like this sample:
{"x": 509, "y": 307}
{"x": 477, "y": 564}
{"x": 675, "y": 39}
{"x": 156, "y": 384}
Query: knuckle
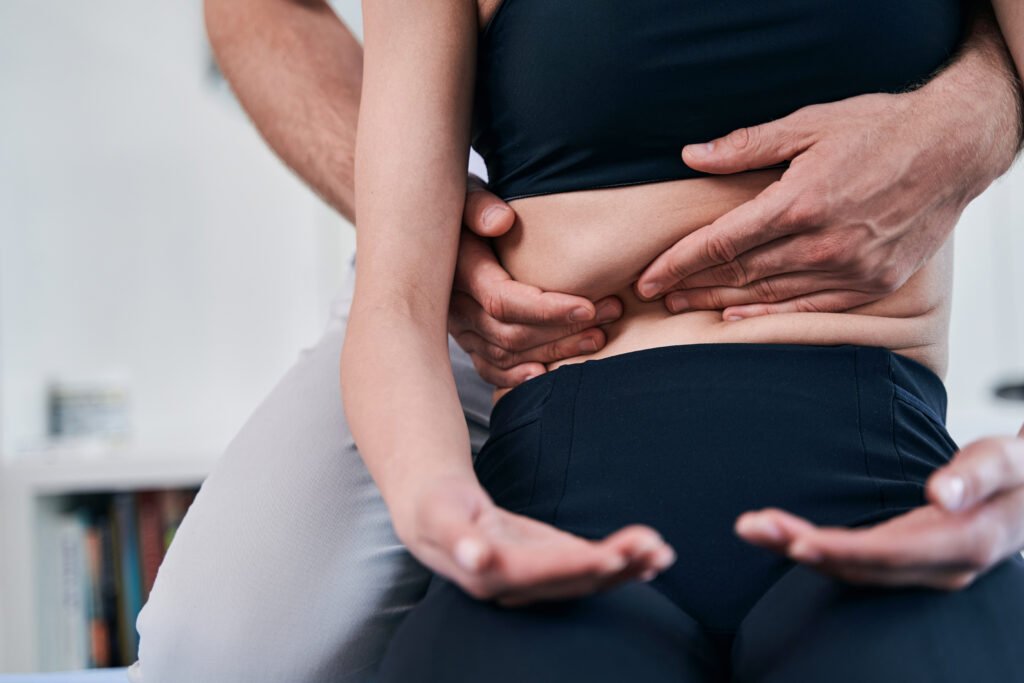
{"x": 743, "y": 138}
{"x": 498, "y": 356}
{"x": 805, "y": 210}
{"x": 888, "y": 278}
{"x": 719, "y": 249}
{"x": 494, "y": 305}
{"x": 827, "y": 253}
{"x": 809, "y": 306}
{"x": 766, "y": 290}
{"x": 709, "y": 299}
{"x": 736, "y": 273}
{"x": 507, "y": 337}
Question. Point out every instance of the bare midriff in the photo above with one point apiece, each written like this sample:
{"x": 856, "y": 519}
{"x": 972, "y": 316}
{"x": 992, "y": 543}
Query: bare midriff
{"x": 595, "y": 243}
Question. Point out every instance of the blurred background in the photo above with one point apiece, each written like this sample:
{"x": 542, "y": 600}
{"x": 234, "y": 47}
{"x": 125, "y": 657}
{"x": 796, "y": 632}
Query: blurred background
{"x": 159, "y": 271}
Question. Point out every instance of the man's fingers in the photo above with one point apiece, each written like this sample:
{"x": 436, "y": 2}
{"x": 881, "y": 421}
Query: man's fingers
{"x": 750, "y": 148}
{"x": 978, "y": 471}
{"x": 781, "y": 257}
{"x": 747, "y": 226}
{"x": 835, "y": 301}
{"x": 792, "y": 293}
{"x": 505, "y": 378}
{"x": 485, "y": 213}
{"x": 479, "y": 274}
{"x": 579, "y": 344}
{"x": 467, "y": 315}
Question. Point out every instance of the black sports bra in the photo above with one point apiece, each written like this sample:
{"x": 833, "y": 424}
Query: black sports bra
{"x": 582, "y": 94}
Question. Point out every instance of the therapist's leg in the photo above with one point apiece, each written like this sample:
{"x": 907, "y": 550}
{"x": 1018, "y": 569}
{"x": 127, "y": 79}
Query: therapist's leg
{"x": 286, "y": 567}
{"x": 812, "y": 628}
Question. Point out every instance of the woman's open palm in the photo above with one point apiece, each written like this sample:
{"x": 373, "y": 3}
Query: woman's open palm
{"x": 494, "y": 554}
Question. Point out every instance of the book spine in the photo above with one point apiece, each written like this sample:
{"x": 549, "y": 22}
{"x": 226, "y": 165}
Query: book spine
{"x": 151, "y": 544}
{"x": 130, "y": 575}
{"x": 74, "y": 587}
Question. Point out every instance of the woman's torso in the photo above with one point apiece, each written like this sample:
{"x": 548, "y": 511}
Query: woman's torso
{"x": 581, "y": 123}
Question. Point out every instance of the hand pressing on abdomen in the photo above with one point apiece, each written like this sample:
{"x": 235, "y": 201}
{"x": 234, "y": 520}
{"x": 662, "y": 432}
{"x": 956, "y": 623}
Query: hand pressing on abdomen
{"x": 454, "y": 528}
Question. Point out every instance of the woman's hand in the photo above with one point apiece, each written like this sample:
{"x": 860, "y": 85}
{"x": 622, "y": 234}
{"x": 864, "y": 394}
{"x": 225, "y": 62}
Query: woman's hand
{"x": 511, "y": 329}
{"x": 974, "y": 520}
{"x": 453, "y": 527}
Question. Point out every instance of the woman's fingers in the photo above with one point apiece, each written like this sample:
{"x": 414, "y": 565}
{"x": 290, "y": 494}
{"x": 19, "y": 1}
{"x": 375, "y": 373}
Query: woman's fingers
{"x": 771, "y": 528}
{"x": 978, "y": 471}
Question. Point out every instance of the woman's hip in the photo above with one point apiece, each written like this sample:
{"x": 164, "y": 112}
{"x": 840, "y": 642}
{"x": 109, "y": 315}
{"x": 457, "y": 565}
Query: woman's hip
{"x": 686, "y": 438}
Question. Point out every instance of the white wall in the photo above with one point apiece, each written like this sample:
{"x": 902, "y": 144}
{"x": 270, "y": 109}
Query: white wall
{"x": 987, "y": 330}
{"x": 147, "y": 232}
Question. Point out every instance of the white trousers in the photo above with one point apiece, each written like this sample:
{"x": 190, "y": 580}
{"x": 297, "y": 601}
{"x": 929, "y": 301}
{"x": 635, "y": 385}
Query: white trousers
{"x": 286, "y": 568}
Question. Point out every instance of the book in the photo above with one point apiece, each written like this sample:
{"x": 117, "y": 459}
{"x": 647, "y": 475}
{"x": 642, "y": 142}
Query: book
{"x": 151, "y": 542}
{"x": 129, "y": 576}
{"x": 73, "y": 649}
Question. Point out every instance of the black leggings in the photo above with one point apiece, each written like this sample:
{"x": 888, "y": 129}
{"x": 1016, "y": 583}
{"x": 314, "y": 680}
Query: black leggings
{"x": 686, "y": 438}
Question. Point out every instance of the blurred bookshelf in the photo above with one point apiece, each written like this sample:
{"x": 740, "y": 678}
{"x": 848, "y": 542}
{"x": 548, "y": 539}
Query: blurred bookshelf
{"x": 94, "y": 529}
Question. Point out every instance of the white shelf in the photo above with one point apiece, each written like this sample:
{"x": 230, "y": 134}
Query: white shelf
{"x": 29, "y": 487}
{"x": 67, "y": 473}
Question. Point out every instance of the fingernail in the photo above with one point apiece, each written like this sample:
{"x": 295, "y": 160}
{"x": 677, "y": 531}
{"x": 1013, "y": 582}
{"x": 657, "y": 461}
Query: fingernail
{"x": 469, "y": 553}
{"x": 803, "y": 552}
{"x": 732, "y": 317}
{"x": 951, "y": 491}
{"x": 588, "y": 345}
{"x": 607, "y": 311}
{"x": 702, "y": 149}
{"x": 649, "y": 289}
{"x": 493, "y": 214}
{"x": 580, "y": 314}
{"x": 677, "y": 303}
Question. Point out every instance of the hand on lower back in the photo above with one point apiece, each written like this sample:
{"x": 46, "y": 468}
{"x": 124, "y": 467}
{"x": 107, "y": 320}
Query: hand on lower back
{"x": 875, "y": 185}
{"x": 511, "y": 329}
{"x": 454, "y": 528}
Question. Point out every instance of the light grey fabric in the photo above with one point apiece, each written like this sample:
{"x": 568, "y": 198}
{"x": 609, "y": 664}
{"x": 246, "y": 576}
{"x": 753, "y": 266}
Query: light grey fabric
{"x": 286, "y": 567}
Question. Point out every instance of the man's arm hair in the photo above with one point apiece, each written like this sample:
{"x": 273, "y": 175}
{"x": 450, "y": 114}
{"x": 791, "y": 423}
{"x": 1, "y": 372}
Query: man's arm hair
{"x": 297, "y": 70}
{"x": 985, "y": 42}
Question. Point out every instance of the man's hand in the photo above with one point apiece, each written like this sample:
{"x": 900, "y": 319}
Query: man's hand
{"x": 875, "y": 185}
{"x": 974, "y": 520}
{"x": 510, "y": 329}
{"x": 455, "y": 529}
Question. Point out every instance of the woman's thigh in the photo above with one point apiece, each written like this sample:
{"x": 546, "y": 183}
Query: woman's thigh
{"x": 286, "y": 567}
{"x": 632, "y": 633}
{"x": 812, "y": 628}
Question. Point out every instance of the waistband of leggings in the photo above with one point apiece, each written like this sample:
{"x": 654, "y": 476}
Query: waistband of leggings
{"x": 623, "y": 373}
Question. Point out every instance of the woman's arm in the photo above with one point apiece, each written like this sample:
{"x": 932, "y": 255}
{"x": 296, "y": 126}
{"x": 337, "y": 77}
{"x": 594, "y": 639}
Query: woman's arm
{"x": 400, "y": 397}
{"x": 411, "y": 151}
{"x": 1010, "y": 14}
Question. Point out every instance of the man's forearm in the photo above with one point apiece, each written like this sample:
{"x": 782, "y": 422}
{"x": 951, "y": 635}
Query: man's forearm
{"x": 297, "y": 70}
{"x": 981, "y": 80}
